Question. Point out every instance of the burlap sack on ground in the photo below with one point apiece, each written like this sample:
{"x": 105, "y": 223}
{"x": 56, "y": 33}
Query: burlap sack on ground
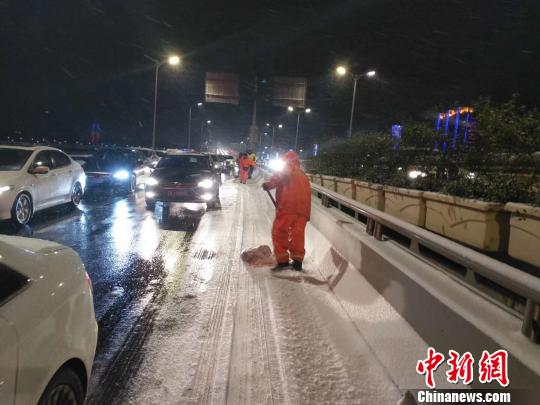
{"x": 259, "y": 256}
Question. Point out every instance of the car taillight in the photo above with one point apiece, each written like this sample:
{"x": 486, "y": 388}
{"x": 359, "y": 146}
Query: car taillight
{"x": 89, "y": 282}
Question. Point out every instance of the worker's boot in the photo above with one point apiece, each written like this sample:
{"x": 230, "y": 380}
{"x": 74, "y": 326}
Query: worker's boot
{"x": 280, "y": 266}
{"x": 297, "y": 265}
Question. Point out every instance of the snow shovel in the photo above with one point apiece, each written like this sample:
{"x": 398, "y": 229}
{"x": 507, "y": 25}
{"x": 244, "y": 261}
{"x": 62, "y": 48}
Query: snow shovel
{"x": 271, "y": 197}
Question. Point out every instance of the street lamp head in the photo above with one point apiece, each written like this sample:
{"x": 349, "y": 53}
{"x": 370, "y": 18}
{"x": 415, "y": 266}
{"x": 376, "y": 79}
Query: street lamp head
{"x": 174, "y": 60}
{"x": 371, "y": 73}
{"x": 209, "y": 121}
{"x": 308, "y": 110}
{"x": 199, "y": 104}
{"x": 290, "y": 108}
{"x": 267, "y": 124}
{"x": 341, "y": 70}
{"x": 280, "y": 126}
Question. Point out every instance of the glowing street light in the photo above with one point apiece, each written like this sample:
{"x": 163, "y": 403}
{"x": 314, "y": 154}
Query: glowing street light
{"x": 273, "y": 126}
{"x": 342, "y": 71}
{"x": 209, "y": 121}
{"x": 306, "y": 111}
{"x": 173, "y": 60}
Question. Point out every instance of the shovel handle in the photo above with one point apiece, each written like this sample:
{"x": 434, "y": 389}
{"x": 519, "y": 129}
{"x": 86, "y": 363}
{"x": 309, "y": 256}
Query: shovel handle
{"x": 271, "y": 197}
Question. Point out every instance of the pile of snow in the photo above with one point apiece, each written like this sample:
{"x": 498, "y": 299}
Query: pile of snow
{"x": 259, "y": 256}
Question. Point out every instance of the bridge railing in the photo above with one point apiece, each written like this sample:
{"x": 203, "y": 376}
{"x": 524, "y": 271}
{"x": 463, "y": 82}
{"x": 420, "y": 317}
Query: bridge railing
{"x": 516, "y": 289}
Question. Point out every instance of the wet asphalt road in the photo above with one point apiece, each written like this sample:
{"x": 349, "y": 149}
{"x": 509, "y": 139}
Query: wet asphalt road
{"x": 125, "y": 249}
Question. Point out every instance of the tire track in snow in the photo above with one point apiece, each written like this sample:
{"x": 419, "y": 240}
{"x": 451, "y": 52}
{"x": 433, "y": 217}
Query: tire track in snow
{"x": 204, "y": 383}
{"x": 256, "y": 373}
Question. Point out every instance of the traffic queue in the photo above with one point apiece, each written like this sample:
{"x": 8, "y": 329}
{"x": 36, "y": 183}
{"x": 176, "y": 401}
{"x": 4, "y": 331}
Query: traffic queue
{"x": 44, "y": 283}
{"x": 36, "y": 177}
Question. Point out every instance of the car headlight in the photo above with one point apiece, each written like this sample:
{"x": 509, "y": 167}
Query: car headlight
{"x": 3, "y": 189}
{"x": 151, "y": 181}
{"x": 276, "y": 165}
{"x": 121, "y": 175}
{"x": 206, "y": 183}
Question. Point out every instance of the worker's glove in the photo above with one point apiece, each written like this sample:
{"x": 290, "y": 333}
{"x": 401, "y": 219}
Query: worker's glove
{"x": 265, "y": 186}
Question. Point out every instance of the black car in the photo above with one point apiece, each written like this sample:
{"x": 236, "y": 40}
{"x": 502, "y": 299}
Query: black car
{"x": 118, "y": 169}
{"x": 183, "y": 178}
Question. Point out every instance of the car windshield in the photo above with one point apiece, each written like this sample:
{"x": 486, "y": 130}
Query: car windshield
{"x": 113, "y": 159}
{"x": 218, "y": 158}
{"x": 13, "y": 159}
{"x": 185, "y": 162}
{"x": 88, "y": 163}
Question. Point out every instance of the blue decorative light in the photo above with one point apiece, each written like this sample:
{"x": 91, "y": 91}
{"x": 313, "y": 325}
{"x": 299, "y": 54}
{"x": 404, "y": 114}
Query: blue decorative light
{"x": 396, "y": 136}
{"x": 466, "y": 134}
{"x": 456, "y": 129}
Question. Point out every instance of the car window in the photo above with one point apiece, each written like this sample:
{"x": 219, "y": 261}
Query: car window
{"x": 88, "y": 163}
{"x": 13, "y": 159}
{"x": 60, "y": 159}
{"x": 43, "y": 158}
{"x": 10, "y": 282}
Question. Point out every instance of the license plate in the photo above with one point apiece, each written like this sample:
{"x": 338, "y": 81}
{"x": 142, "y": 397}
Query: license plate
{"x": 176, "y": 193}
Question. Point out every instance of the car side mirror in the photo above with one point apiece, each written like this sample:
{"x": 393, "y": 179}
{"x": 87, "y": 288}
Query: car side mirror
{"x": 39, "y": 170}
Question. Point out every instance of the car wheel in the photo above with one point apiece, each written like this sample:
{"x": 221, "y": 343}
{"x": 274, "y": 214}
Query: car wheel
{"x": 65, "y": 388}
{"x": 21, "y": 213}
{"x": 214, "y": 204}
{"x": 76, "y": 194}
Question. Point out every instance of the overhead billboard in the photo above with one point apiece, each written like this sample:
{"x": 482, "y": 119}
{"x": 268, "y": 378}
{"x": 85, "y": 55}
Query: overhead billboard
{"x": 289, "y": 91}
{"x": 222, "y": 88}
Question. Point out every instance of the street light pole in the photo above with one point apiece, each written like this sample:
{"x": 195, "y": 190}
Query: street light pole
{"x": 342, "y": 71}
{"x": 306, "y": 111}
{"x": 172, "y": 60}
{"x": 189, "y": 123}
{"x": 297, "y": 128}
{"x": 155, "y": 107}
{"x": 189, "y": 129}
{"x": 352, "y": 105}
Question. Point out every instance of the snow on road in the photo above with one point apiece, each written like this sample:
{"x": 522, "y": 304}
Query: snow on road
{"x": 234, "y": 334}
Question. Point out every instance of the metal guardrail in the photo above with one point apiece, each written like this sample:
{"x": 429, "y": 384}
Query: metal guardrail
{"x": 506, "y": 276}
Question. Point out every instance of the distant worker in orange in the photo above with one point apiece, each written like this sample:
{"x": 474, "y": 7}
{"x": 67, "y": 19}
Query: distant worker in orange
{"x": 293, "y": 210}
{"x": 245, "y": 163}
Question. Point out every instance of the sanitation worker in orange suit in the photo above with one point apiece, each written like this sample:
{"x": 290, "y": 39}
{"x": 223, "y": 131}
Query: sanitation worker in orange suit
{"x": 245, "y": 163}
{"x": 293, "y": 209}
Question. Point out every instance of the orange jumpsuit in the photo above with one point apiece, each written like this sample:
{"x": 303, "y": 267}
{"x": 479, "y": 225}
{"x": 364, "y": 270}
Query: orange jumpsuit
{"x": 245, "y": 163}
{"x": 293, "y": 210}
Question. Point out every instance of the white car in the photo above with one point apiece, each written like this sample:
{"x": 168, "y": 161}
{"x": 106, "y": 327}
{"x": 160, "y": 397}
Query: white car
{"x": 35, "y": 178}
{"x": 48, "y": 330}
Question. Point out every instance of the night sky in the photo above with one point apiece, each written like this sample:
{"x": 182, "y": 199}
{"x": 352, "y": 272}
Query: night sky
{"x": 67, "y": 63}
